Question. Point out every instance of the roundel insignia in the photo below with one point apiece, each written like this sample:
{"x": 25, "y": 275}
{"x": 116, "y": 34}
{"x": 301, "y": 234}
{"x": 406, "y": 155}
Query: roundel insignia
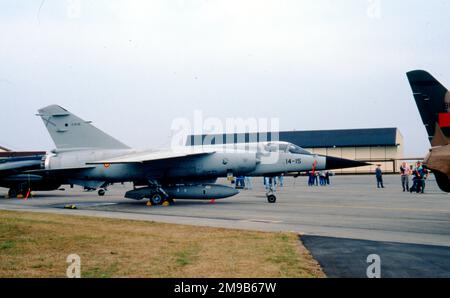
{"x": 106, "y": 165}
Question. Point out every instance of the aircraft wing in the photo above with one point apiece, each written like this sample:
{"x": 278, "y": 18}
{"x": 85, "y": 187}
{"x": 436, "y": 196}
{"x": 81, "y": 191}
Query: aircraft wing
{"x": 145, "y": 157}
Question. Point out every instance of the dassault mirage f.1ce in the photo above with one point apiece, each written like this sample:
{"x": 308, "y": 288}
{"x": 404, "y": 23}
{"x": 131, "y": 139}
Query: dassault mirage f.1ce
{"x": 433, "y": 102}
{"x": 87, "y": 156}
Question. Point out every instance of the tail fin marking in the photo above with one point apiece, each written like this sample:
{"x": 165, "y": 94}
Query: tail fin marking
{"x": 69, "y": 131}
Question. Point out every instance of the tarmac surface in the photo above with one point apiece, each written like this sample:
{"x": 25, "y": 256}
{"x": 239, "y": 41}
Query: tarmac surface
{"x": 350, "y": 208}
{"x": 347, "y": 258}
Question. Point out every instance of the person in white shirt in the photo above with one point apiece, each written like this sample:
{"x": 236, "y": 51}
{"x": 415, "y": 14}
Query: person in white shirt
{"x": 404, "y": 175}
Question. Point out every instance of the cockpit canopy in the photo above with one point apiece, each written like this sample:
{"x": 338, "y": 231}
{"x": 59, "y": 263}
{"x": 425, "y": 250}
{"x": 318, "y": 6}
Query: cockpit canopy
{"x": 285, "y": 147}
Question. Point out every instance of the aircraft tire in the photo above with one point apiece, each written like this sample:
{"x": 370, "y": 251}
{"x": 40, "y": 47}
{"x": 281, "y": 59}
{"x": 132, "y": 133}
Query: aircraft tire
{"x": 156, "y": 199}
{"x": 101, "y": 192}
{"x": 271, "y": 199}
{"x": 12, "y": 193}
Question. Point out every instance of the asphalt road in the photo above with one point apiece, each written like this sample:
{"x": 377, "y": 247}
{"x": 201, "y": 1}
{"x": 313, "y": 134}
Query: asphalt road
{"x": 351, "y": 208}
{"x": 341, "y": 257}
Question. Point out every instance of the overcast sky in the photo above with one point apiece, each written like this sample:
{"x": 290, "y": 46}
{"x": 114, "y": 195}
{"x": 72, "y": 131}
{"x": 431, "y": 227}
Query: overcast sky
{"x": 132, "y": 67}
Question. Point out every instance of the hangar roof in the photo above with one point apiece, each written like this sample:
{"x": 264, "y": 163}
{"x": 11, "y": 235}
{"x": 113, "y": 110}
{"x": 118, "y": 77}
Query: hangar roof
{"x": 366, "y": 137}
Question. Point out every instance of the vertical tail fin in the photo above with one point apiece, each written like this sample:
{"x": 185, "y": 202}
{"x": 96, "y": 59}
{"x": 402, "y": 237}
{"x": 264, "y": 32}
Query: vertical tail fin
{"x": 433, "y": 102}
{"x": 69, "y": 132}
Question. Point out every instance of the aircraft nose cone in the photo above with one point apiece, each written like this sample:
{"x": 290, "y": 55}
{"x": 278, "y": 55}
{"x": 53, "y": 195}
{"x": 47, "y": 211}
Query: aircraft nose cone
{"x": 342, "y": 163}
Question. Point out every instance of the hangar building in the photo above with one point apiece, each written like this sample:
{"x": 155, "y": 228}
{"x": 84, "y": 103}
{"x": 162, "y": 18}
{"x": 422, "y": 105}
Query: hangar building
{"x": 376, "y": 145}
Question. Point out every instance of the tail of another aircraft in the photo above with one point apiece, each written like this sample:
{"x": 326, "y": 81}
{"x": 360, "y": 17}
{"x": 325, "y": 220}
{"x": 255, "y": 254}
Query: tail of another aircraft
{"x": 433, "y": 102}
{"x": 70, "y": 132}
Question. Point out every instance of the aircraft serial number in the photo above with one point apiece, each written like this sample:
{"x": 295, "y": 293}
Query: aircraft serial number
{"x": 293, "y": 161}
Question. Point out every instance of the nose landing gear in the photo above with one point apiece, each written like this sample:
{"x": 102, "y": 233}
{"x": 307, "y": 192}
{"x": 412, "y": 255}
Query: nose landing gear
{"x": 271, "y": 198}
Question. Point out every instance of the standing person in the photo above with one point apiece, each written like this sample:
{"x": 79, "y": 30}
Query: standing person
{"x": 316, "y": 178}
{"x": 248, "y": 182}
{"x": 323, "y": 181}
{"x": 423, "y": 175}
{"x": 415, "y": 179}
{"x": 273, "y": 183}
{"x": 404, "y": 176}
{"x": 266, "y": 183}
{"x": 310, "y": 178}
{"x": 327, "y": 177}
{"x": 379, "y": 175}
{"x": 240, "y": 182}
{"x": 281, "y": 180}
{"x": 418, "y": 179}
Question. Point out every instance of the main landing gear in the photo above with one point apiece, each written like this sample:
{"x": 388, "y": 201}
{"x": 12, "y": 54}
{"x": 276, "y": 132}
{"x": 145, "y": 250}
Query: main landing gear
{"x": 15, "y": 192}
{"x": 158, "y": 195}
{"x": 159, "y": 198}
{"x": 156, "y": 199}
{"x": 12, "y": 193}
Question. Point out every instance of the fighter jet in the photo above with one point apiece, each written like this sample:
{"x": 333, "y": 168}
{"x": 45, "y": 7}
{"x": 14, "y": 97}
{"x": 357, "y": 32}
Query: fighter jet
{"x": 433, "y": 102}
{"x": 87, "y": 156}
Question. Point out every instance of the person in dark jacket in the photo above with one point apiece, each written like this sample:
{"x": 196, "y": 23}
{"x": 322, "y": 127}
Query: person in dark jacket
{"x": 419, "y": 176}
{"x": 379, "y": 175}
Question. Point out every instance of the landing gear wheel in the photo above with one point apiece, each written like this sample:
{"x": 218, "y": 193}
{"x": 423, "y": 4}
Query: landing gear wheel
{"x": 12, "y": 193}
{"x": 156, "y": 199}
{"x": 101, "y": 192}
{"x": 271, "y": 199}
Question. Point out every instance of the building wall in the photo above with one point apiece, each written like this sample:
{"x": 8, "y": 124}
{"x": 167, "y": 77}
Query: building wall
{"x": 384, "y": 155}
{"x": 387, "y": 156}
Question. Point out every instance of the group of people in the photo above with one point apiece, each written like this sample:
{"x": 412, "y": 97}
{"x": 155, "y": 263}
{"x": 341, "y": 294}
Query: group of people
{"x": 319, "y": 178}
{"x": 322, "y": 178}
{"x": 271, "y": 183}
{"x": 419, "y": 174}
{"x": 243, "y": 182}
